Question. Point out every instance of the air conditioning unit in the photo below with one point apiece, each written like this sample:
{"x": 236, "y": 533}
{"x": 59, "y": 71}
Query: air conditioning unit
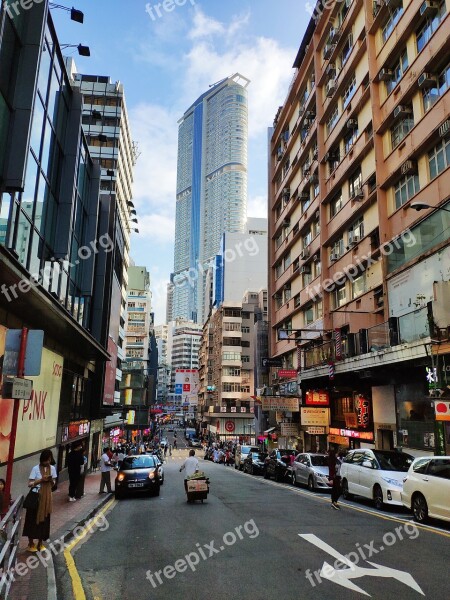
{"x": 316, "y": 258}
{"x": 353, "y": 239}
{"x": 310, "y": 115}
{"x": 352, "y": 124}
{"x": 330, "y": 71}
{"x": 386, "y": 75}
{"x": 305, "y": 253}
{"x": 427, "y": 80}
{"x": 286, "y": 222}
{"x": 330, "y": 88}
{"x": 408, "y": 167}
{"x": 334, "y": 257}
{"x": 315, "y": 154}
{"x": 317, "y": 215}
{"x": 314, "y": 179}
{"x": 305, "y": 269}
{"x": 444, "y": 129}
{"x": 328, "y": 50}
{"x": 428, "y": 9}
{"x": 402, "y": 111}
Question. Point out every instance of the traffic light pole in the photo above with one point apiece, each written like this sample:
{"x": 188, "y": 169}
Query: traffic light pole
{"x": 12, "y": 440}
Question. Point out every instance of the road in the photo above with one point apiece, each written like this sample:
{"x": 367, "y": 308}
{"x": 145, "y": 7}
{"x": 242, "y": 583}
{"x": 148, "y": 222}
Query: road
{"x": 253, "y": 539}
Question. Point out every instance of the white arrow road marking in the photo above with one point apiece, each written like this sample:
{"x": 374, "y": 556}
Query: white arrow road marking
{"x": 343, "y": 576}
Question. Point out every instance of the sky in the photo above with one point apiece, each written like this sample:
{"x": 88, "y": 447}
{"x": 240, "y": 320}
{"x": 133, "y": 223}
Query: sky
{"x": 165, "y": 60}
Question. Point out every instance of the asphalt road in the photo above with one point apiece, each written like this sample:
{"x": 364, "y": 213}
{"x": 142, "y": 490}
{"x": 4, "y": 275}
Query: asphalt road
{"x": 255, "y": 540}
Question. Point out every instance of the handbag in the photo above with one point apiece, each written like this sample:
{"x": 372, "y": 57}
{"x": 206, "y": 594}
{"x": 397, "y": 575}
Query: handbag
{"x": 31, "y": 501}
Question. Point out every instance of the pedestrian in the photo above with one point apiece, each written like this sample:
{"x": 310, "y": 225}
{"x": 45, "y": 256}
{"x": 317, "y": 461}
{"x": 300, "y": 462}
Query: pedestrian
{"x": 334, "y": 468}
{"x": 165, "y": 450}
{"x": 170, "y": 449}
{"x": 174, "y": 444}
{"x": 120, "y": 457}
{"x": 105, "y": 468}
{"x": 190, "y": 465}
{"x": 42, "y": 481}
{"x": 83, "y": 470}
{"x": 75, "y": 462}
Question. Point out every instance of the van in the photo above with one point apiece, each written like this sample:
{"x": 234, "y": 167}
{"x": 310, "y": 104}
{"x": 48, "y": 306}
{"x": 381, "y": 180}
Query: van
{"x": 241, "y": 454}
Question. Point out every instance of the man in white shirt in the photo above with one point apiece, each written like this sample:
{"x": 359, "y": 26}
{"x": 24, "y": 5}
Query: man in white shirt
{"x": 190, "y": 465}
{"x": 105, "y": 468}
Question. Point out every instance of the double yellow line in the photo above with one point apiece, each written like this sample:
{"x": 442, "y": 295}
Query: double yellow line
{"x": 77, "y": 586}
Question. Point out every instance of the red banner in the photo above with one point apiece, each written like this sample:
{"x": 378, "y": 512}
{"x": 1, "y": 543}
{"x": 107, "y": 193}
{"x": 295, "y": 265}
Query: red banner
{"x": 317, "y": 398}
{"x": 287, "y": 373}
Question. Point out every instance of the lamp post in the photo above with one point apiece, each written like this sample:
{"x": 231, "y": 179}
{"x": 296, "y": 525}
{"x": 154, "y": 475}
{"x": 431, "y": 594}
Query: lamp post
{"x": 424, "y": 206}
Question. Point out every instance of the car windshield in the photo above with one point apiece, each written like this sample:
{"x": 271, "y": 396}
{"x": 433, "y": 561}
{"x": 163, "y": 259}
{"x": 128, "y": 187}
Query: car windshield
{"x": 393, "y": 461}
{"x": 286, "y": 452}
{"x": 247, "y": 449}
{"x": 319, "y": 461}
{"x": 138, "y": 462}
{"x": 259, "y": 456}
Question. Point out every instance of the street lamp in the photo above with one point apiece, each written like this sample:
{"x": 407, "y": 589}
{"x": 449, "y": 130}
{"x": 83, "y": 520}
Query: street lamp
{"x": 424, "y": 206}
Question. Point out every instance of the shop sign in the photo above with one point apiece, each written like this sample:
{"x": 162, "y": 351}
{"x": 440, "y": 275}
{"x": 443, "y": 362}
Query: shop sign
{"x": 289, "y": 429}
{"x": 315, "y": 416}
{"x": 315, "y": 430}
{"x": 281, "y": 403}
{"x": 362, "y": 407}
{"x": 362, "y": 435}
{"x": 229, "y": 426}
{"x": 317, "y": 398}
{"x": 351, "y": 420}
{"x": 75, "y": 429}
{"x": 243, "y": 409}
{"x": 339, "y": 440}
{"x": 442, "y": 410}
{"x": 287, "y": 373}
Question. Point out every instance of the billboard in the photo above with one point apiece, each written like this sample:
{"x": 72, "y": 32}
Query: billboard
{"x": 110, "y": 374}
{"x": 187, "y": 385}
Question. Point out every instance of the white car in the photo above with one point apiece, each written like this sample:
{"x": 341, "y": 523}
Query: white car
{"x": 375, "y": 474}
{"x": 426, "y": 488}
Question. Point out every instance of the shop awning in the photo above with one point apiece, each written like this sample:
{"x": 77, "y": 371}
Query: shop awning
{"x": 270, "y": 430}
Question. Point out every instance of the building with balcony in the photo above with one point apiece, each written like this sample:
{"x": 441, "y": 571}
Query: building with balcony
{"x": 355, "y": 274}
{"x": 211, "y": 188}
{"x": 164, "y": 367}
{"x": 227, "y": 368}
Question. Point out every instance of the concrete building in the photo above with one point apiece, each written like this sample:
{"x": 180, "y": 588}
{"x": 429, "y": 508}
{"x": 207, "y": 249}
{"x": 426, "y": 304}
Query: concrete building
{"x": 106, "y": 126}
{"x": 356, "y": 274}
{"x": 164, "y": 366}
{"x": 227, "y": 369}
{"x": 52, "y": 266}
{"x": 211, "y": 188}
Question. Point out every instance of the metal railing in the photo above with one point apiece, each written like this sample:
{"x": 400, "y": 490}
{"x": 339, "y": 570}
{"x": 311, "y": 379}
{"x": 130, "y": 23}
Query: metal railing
{"x": 9, "y": 543}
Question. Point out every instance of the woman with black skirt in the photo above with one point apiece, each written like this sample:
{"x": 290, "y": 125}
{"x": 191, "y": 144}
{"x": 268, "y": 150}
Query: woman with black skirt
{"x": 37, "y": 520}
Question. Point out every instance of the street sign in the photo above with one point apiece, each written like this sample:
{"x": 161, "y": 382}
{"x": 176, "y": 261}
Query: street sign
{"x": 17, "y": 389}
{"x": 272, "y": 362}
{"x": 33, "y": 352}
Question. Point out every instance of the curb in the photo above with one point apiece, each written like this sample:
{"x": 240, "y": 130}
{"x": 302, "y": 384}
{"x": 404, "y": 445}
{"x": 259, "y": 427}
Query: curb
{"x": 51, "y": 577}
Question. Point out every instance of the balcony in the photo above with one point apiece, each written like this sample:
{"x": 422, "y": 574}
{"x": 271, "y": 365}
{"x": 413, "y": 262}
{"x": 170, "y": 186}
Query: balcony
{"x": 414, "y": 326}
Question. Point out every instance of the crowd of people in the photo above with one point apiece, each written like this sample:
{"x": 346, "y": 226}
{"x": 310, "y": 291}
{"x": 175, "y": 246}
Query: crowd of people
{"x": 221, "y": 452}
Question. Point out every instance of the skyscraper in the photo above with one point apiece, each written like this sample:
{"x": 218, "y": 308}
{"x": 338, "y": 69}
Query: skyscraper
{"x": 211, "y": 187}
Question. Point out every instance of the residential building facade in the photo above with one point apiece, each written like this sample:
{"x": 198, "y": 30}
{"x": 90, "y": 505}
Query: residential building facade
{"x": 211, "y": 188}
{"x": 355, "y": 274}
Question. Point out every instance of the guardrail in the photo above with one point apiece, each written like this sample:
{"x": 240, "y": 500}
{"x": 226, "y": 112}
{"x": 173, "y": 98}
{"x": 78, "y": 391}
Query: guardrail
{"x": 9, "y": 543}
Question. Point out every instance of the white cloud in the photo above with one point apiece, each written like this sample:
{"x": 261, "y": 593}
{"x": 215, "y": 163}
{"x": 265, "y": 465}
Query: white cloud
{"x": 205, "y": 26}
{"x": 157, "y": 228}
{"x": 257, "y": 206}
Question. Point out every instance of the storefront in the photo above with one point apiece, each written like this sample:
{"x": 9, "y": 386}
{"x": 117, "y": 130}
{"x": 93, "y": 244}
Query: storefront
{"x": 74, "y": 431}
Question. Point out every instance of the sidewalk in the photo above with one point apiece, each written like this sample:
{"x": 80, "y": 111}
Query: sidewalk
{"x": 65, "y": 516}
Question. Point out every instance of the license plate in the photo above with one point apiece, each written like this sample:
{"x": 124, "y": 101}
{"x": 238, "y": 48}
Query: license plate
{"x": 135, "y": 485}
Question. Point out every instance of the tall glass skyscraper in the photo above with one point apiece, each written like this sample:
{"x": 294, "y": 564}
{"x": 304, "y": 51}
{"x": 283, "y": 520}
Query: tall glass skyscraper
{"x": 211, "y": 188}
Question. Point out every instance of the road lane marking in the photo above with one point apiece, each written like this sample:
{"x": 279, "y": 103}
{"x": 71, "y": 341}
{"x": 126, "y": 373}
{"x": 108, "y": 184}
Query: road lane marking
{"x": 77, "y": 586}
{"x": 429, "y": 528}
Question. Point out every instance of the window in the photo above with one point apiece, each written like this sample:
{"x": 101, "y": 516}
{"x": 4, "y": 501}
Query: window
{"x": 316, "y": 188}
{"x": 306, "y": 240}
{"x": 338, "y": 247}
{"x": 346, "y": 50}
{"x": 349, "y": 91}
{"x": 355, "y": 183}
{"x": 393, "y": 19}
{"x": 356, "y": 230}
{"x": 308, "y": 315}
{"x": 340, "y": 296}
{"x": 349, "y": 139}
{"x": 400, "y": 130}
{"x": 287, "y": 261}
{"x": 423, "y": 35}
{"x": 335, "y": 205}
{"x": 440, "y": 467}
{"x": 306, "y": 202}
{"x": 359, "y": 285}
{"x": 439, "y": 158}
{"x": 333, "y": 119}
{"x": 398, "y": 70}
{"x": 432, "y": 94}
{"x": 405, "y": 189}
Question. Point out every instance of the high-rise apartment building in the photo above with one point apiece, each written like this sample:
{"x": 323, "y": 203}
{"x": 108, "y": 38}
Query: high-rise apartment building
{"x": 106, "y": 126}
{"x": 211, "y": 188}
{"x": 357, "y": 276}
{"x": 164, "y": 368}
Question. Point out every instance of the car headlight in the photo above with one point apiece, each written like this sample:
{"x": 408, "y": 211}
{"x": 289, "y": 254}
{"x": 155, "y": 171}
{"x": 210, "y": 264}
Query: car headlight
{"x": 393, "y": 482}
{"x": 151, "y": 475}
{"x": 120, "y": 476}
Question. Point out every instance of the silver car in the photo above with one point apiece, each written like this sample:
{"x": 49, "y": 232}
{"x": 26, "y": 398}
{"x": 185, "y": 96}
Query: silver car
{"x": 311, "y": 470}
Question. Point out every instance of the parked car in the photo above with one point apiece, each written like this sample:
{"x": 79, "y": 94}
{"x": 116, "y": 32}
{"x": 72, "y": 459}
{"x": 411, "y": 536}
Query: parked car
{"x": 311, "y": 470}
{"x": 375, "y": 474}
{"x": 140, "y": 473}
{"x": 278, "y": 464}
{"x": 254, "y": 463}
{"x": 426, "y": 488}
{"x": 164, "y": 442}
{"x": 194, "y": 443}
{"x": 241, "y": 454}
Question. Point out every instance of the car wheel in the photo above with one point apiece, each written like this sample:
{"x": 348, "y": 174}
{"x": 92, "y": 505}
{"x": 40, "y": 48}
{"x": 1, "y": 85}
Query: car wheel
{"x": 311, "y": 485}
{"x": 419, "y": 508}
{"x": 378, "y": 497}
{"x": 345, "y": 491}
{"x": 156, "y": 493}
